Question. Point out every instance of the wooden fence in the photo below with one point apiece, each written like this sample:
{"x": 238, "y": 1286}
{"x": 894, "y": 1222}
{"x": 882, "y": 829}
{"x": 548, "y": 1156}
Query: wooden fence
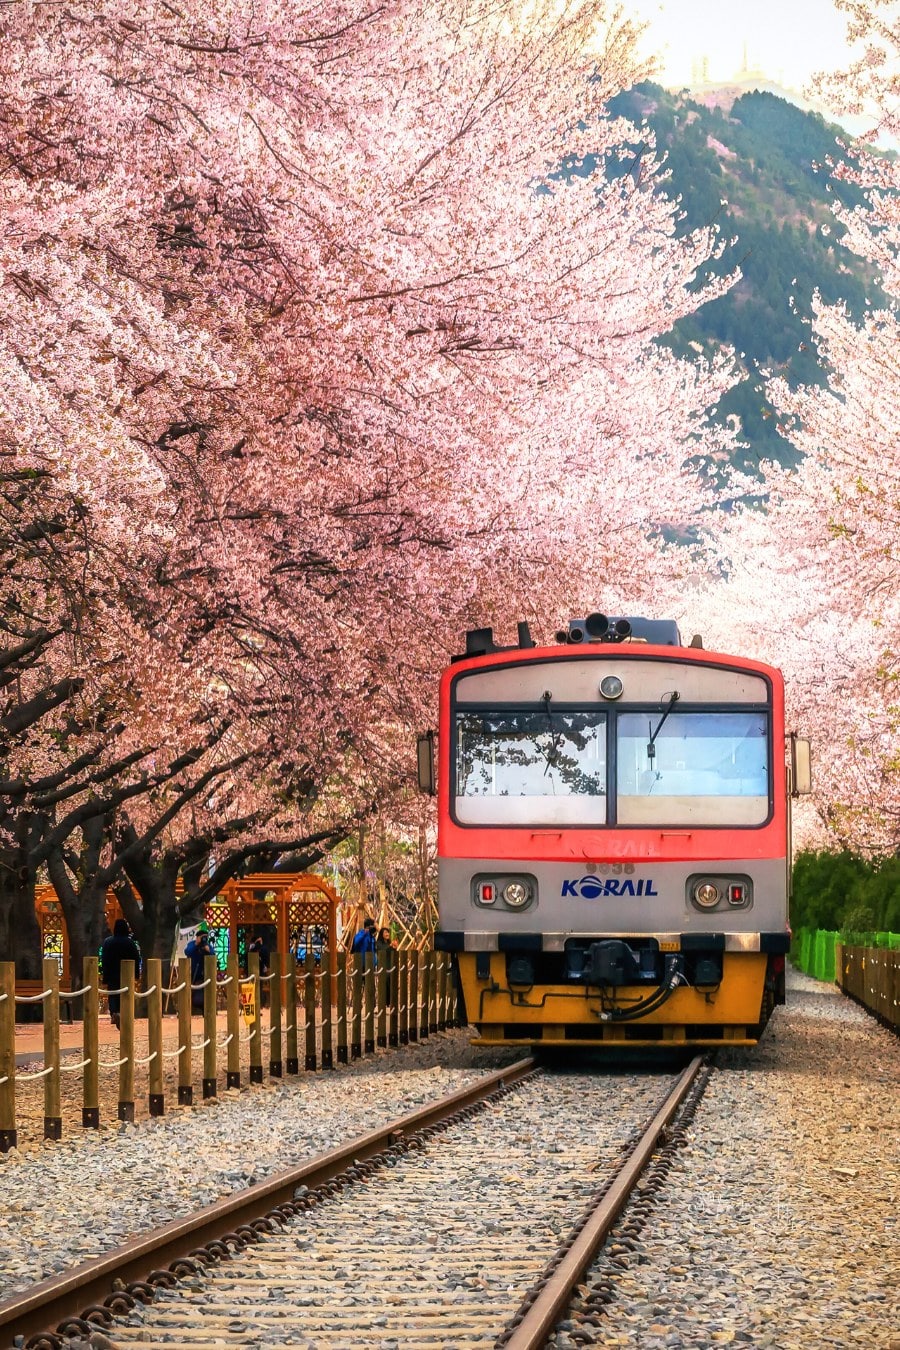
{"x": 327, "y": 1014}
{"x": 871, "y": 976}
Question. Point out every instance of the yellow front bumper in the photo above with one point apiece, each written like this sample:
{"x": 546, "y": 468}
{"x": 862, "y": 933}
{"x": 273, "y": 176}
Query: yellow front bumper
{"x": 566, "y": 1014}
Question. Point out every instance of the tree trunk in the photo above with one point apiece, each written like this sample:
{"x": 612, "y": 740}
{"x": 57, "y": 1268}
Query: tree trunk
{"x": 82, "y": 897}
{"x": 154, "y": 915}
{"x": 20, "y": 932}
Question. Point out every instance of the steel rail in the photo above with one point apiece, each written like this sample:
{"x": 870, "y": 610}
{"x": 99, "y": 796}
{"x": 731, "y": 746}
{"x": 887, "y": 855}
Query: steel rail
{"x": 540, "y": 1316}
{"x": 63, "y": 1296}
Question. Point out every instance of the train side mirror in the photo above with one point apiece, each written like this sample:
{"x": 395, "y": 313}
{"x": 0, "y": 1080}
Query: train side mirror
{"x": 425, "y": 763}
{"x": 801, "y": 766}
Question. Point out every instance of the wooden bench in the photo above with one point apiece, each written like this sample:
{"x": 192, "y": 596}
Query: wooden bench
{"x": 30, "y": 988}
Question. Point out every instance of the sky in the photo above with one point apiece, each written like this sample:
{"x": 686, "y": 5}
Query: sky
{"x": 788, "y": 40}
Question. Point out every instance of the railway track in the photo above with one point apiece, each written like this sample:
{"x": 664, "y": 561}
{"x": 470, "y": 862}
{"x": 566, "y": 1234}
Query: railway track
{"x": 466, "y": 1224}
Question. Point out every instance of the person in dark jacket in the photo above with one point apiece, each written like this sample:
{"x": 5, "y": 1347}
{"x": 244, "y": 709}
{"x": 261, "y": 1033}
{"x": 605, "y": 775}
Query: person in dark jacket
{"x": 197, "y": 950}
{"x": 258, "y": 945}
{"x": 118, "y": 947}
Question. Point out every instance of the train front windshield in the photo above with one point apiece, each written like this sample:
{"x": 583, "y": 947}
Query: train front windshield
{"x": 531, "y": 768}
{"x": 540, "y": 768}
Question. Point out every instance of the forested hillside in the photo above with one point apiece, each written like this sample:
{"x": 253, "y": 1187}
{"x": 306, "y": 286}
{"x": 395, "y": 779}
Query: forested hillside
{"x": 756, "y": 167}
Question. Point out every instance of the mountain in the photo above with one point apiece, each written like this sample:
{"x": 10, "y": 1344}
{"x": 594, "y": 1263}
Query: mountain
{"x": 755, "y": 164}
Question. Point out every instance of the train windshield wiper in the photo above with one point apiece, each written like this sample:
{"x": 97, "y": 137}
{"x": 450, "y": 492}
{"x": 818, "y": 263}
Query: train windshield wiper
{"x": 551, "y": 754}
{"x": 651, "y": 744}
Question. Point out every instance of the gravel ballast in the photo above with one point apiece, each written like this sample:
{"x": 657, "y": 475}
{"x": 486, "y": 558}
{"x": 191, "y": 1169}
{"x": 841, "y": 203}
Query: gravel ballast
{"x": 779, "y": 1223}
{"x": 63, "y": 1203}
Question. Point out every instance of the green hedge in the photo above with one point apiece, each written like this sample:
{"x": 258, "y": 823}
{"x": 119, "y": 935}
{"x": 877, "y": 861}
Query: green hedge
{"x": 843, "y": 891}
{"x": 812, "y": 950}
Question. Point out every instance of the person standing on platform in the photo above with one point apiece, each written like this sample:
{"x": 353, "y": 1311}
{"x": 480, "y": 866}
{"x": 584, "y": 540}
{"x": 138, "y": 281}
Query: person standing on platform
{"x": 118, "y": 947}
{"x": 197, "y": 950}
{"x": 364, "y": 942}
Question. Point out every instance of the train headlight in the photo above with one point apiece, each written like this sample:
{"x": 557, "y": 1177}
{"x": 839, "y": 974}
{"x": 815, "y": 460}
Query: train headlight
{"x": 706, "y": 894}
{"x": 516, "y": 894}
{"x": 611, "y": 687}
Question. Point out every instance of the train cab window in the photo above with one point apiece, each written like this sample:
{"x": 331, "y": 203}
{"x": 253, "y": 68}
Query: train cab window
{"x": 702, "y": 768}
{"x": 531, "y": 768}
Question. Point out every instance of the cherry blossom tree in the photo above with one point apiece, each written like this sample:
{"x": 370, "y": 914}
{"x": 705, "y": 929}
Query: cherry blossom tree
{"x": 837, "y": 516}
{"x": 326, "y": 360}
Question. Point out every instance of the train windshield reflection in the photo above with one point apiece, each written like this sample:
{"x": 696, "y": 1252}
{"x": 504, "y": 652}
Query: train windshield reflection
{"x": 531, "y": 767}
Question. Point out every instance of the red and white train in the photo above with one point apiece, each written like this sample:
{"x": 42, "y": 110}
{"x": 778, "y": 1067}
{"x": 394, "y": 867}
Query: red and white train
{"x": 614, "y": 836}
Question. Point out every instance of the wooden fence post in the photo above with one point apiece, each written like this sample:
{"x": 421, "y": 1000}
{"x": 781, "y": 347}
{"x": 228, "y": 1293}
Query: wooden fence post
{"x": 432, "y": 986}
{"x": 394, "y": 996}
{"x": 381, "y": 980}
{"x": 327, "y": 1028}
{"x": 126, "y": 1043}
{"x": 442, "y": 991}
{"x": 8, "y": 1133}
{"x": 414, "y": 994}
{"x": 185, "y": 1033}
{"x": 291, "y": 1011}
{"x": 233, "y": 1022}
{"x": 355, "y": 965}
{"x": 90, "y": 1044}
{"x": 369, "y": 963}
{"x": 209, "y": 1027}
{"x": 341, "y": 958}
{"x": 309, "y": 1008}
{"x": 403, "y": 997}
{"x": 276, "y": 988}
{"x": 256, "y": 1072}
{"x": 52, "y": 1096}
{"x": 426, "y": 996}
{"x": 156, "y": 1098}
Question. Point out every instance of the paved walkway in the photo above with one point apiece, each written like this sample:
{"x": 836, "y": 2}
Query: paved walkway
{"x": 30, "y": 1036}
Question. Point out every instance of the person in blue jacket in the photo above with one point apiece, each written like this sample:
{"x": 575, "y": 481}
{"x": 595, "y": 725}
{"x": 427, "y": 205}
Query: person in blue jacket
{"x": 364, "y": 942}
{"x": 198, "y": 949}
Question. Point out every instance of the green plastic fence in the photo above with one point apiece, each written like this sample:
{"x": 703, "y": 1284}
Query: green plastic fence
{"x": 813, "y": 949}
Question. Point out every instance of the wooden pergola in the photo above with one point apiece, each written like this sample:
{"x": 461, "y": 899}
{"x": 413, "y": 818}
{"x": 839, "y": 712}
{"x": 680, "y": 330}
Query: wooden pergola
{"x": 289, "y": 910}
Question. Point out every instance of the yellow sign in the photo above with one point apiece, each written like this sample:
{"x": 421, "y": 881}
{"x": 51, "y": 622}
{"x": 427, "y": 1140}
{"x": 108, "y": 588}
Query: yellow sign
{"x": 248, "y": 1001}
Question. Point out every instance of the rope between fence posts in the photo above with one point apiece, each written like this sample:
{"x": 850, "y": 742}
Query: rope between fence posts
{"x": 28, "y": 1077}
{"x": 202, "y": 1045}
{"x": 32, "y": 998}
{"x": 5, "y": 1078}
{"x": 227, "y": 1041}
{"x": 113, "y": 1063}
{"x": 173, "y": 1054}
{"x": 145, "y": 993}
{"x": 74, "y": 993}
{"x": 73, "y": 1068}
{"x": 3, "y": 998}
{"x": 201, "y": 986}
{"x": 147, "y": 1060}
{"x": 226, "y": 980}
{"x": 105, "y": 993}
{"x": 249, "y": 1037}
